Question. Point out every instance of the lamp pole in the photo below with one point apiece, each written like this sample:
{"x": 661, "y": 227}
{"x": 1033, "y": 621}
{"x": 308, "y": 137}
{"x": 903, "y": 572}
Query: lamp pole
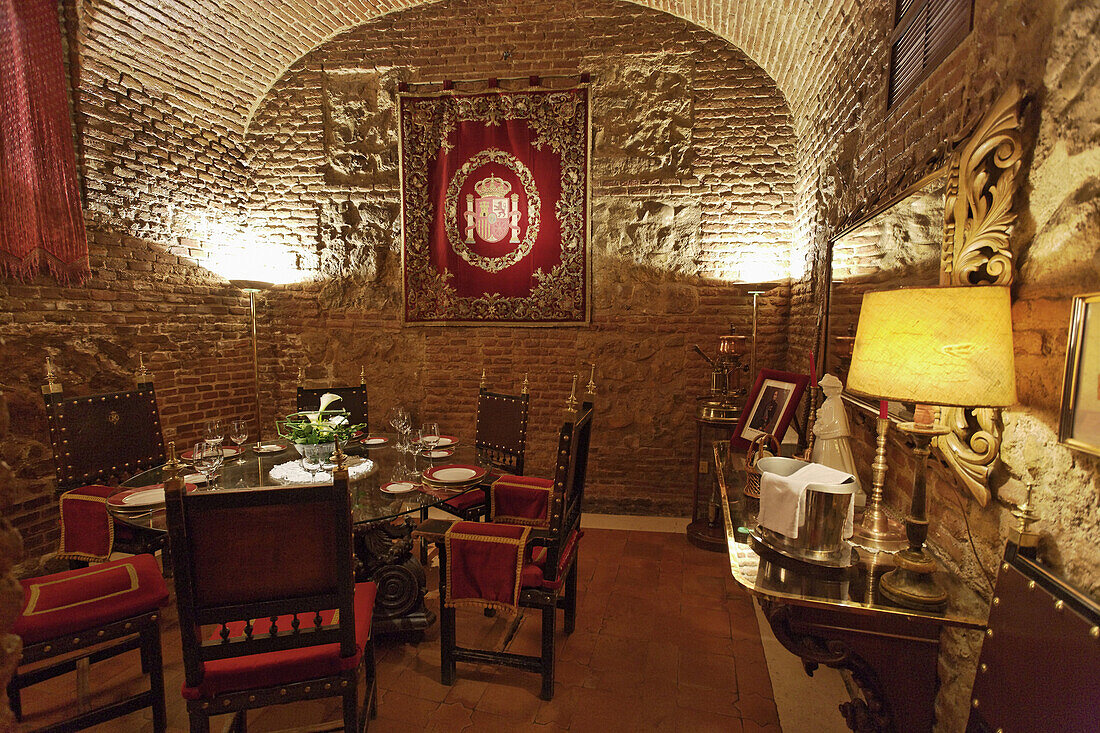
{"x": 252, "y": 287}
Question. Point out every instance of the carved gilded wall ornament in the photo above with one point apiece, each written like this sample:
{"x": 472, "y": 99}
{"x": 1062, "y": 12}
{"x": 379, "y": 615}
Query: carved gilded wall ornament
{"x": 978, "y": 216}
{"x": 978, "y": 211}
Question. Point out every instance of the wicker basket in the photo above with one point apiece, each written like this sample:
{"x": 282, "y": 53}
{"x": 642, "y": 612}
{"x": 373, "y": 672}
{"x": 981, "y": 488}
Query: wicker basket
{"x": 757, "y": 450}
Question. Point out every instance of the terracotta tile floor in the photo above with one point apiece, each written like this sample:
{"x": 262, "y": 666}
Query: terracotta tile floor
{"x": 665, "y": 641}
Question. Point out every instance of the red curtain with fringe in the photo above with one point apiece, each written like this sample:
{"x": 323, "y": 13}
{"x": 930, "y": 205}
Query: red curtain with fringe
{"x": 41, "y": 222}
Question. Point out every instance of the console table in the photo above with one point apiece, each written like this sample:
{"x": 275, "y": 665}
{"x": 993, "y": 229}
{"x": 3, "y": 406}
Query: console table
{"x": 837, "y": 617}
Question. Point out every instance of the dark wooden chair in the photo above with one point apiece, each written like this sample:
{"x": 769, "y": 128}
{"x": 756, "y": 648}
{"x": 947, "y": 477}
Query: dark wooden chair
{"x": 1039, "y": 669}
{"x": 98, "y": 441}
{"x": 268, "y": 606}
{"x": 548, "y": 579}
{"x": 500, "y": 440}
{"x": 76, "y": 618}
{"x": 353, "y": 399}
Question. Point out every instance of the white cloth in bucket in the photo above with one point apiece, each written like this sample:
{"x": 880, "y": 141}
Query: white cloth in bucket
{"x": 783, "y": 498}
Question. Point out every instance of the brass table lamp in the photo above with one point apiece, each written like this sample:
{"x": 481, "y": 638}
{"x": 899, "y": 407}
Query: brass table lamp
{"x": 931, "y": 346}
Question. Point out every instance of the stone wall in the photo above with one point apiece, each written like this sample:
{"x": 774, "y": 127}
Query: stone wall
{"x": 851, "y": 149}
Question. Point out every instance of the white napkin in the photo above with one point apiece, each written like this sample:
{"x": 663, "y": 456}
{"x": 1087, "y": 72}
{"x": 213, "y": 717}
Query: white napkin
{"x": 783, "y": 498}
{"x": 292, "y": 472}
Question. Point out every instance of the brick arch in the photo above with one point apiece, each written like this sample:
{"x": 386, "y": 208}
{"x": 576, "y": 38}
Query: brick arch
{"x": 219, "y": 58}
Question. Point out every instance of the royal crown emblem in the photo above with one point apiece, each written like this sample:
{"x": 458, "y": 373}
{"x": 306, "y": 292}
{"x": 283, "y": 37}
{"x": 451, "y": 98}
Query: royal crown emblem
{"x": 493, "y": 214}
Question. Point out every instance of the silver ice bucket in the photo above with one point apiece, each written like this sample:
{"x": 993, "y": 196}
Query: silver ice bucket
{"x": 825, "y": 509}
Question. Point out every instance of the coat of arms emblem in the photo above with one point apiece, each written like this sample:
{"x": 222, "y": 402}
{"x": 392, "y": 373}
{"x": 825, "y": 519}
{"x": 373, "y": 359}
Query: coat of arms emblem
{"x": 493, "y": 214}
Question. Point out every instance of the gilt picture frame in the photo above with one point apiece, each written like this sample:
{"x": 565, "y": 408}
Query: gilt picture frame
{"x": 769, "y": 407}
{"x": 1079, "y": 424}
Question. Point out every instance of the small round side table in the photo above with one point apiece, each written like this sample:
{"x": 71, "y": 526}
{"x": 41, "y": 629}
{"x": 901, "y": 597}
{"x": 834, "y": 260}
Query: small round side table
{"x": 706, "y": 529}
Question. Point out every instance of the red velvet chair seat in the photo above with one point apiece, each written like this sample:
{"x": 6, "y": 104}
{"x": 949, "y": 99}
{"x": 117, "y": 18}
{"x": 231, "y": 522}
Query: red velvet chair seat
{"x": 272, "y": 669}
{"x": 533, "y": 575}
{"x": 85, "y": 598}
{"x": 462, "y": 502}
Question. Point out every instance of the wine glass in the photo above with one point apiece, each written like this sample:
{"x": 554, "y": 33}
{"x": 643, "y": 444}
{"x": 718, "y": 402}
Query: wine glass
{"x": 208, "y": 459}
{"x": 429, "y": 437}
{"x": 311, "y": 460}
{"x": 238, "y": 433}
{"x": 215, "y": 432}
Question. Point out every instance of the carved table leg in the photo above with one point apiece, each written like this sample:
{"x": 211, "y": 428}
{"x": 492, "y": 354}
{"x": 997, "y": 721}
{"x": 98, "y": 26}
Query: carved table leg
{"x": 384, "y": 555}
{"x": 894, "y": 669}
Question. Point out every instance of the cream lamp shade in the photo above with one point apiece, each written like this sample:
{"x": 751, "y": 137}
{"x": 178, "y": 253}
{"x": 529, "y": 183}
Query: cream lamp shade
{"x": 936, "y": 346}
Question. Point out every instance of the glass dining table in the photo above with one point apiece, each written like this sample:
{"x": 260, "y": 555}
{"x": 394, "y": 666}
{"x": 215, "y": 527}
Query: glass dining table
{"x": 384, "y": 514}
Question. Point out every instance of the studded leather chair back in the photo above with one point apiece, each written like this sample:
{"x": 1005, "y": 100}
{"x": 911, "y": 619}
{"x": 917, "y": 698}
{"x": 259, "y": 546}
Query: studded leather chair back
{"x": 501, "y": 434}
{"x": 104, "y": 437}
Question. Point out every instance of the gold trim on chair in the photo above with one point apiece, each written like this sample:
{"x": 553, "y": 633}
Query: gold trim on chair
{"x": 35, "y": 593}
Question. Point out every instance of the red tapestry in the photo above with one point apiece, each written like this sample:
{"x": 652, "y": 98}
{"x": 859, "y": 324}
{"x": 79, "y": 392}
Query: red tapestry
{"x": 495, "y": 207}
{"x": 41, "y": 222}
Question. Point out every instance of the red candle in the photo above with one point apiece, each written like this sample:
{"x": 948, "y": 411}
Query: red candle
{"x": 882, "y": 405}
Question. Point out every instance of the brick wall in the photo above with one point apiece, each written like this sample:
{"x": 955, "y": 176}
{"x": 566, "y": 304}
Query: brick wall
{"x": 727, "y": 198}
{"x": 173, "y": 189}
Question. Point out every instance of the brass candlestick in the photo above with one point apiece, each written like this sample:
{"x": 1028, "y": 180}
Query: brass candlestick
{"x": 878, "y": 532}
{"x": 910, "y": 583}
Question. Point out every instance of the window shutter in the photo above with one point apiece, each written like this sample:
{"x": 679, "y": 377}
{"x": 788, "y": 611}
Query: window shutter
{"x": 925, "y": 32}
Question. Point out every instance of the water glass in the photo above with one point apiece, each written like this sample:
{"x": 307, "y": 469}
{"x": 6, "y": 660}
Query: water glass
{"x": 208, "y": 459}
{"x": 215, "y": 431}
{"x": 429, "y": 436}
{"x": 311, "y": 460}
{"x": 238, "y": 433}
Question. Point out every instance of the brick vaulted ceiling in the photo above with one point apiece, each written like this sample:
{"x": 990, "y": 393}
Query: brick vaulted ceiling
{"x": 219, "y": 57}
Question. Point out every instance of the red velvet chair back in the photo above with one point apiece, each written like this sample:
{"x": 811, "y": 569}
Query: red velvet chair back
{"x": 261, "y": 553}
{"x": 569, "y": 478}
{"x": 104, "y": 438}
{"x": 354, "y": 400}
{"x": 501, "y": 434}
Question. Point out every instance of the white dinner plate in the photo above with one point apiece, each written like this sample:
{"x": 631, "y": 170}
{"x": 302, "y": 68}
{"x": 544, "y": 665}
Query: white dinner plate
{"x": 398, "y": 487}
{"x": 438, "y": 453}
{"x": 145, "y": 497}
{"x": 194, "y": 478}
{"x": 376, "y": 440}
{"x": 227, "y": 451}
{"x": 454, "y": 474}
{"x": 268, "y": 448}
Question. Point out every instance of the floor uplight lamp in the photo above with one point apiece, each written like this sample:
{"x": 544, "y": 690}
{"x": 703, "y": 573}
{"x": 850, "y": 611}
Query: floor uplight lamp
{"x": 252, "y": 287}
{"x": 931, "y": 346}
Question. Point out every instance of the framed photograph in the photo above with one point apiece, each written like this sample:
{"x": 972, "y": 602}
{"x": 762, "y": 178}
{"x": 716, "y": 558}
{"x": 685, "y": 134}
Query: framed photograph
{"x": 770, "y": 406}
{"x": 1079, "y": 427}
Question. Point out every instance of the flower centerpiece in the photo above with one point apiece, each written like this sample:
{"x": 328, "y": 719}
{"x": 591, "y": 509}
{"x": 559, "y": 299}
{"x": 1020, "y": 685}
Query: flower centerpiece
{"x": 321, "y": 427}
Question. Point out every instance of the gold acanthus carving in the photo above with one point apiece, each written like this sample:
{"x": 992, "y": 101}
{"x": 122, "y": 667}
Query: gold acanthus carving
{"x": 981, "y": 187}
{"x": 978, "y": 206}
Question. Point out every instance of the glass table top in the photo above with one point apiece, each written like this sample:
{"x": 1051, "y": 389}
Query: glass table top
{"x": 767, "y": 573}
{"x": 371, "y": 504}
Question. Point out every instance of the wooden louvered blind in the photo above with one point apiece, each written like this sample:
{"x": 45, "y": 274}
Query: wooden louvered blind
{"x": 925, "y": 32}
